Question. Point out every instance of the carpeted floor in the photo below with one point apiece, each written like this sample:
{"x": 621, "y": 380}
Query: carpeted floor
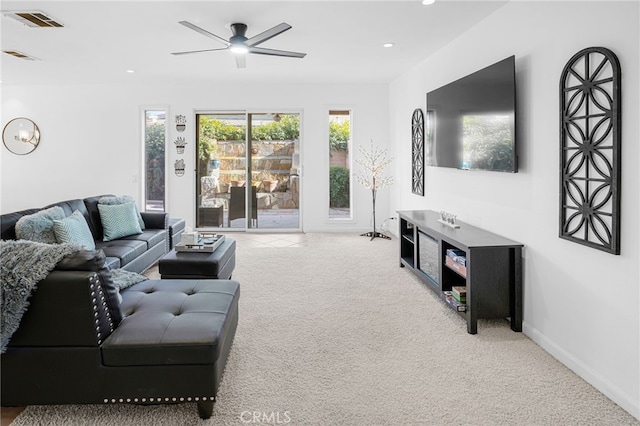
{"x": 336, "y": 333}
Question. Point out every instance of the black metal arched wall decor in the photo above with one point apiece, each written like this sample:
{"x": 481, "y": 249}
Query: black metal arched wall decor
{"x": 590, "y": 128}
{"x": 417, "y": 152}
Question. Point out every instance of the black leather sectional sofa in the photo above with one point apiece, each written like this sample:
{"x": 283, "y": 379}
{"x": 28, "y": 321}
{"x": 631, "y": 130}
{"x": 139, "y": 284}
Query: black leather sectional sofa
{"x": 166, "y": 341}
{"x": 135, "y": 253}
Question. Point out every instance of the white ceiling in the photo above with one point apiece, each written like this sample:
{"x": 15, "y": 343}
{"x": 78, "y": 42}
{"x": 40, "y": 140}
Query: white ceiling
{"x": 343, "y": 40}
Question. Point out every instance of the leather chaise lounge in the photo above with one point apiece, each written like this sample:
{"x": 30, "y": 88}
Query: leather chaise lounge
{"x": 166, "y": 342}
{"x": 161, "y": 341}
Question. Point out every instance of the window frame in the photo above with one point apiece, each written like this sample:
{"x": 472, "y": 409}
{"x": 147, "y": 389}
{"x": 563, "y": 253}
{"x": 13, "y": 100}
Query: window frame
{"x": 349, "y": 164}
{"x": 143, "y": 155}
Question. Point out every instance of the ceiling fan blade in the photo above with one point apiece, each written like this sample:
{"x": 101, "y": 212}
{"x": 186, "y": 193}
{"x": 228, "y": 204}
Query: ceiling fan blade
{"x": 204, "y": 32}
{"x": 266, "y": 35}
{"x": 198, "y": 51}
{"x": 275, "y": 52}
{"x": 241, "y": 61}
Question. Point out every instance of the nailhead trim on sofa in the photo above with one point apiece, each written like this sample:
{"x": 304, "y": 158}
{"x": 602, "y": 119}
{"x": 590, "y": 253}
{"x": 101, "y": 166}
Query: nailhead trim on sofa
{"x": 99, "y": 303}
{"x": 161, "y": 399}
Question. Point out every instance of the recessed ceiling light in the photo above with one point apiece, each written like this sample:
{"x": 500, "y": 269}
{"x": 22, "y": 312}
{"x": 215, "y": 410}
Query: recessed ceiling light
{"x": 427, "y": 2}
{"x": 131, "y": 71}
{"x": 387, "y": 45}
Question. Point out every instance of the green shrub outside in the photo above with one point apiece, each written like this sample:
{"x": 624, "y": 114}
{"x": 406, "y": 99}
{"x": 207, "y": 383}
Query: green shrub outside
{"x": 339, "y": 134}
{"x": 213, "y": 130}
{"x": 154, "y": 151}
{"x": 288, "y": 128}
{"x": 338, "y": 187}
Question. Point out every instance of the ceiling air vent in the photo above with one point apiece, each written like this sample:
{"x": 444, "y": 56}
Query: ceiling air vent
{"x": 20, "y": 55}
{"x": 34, "y": 19}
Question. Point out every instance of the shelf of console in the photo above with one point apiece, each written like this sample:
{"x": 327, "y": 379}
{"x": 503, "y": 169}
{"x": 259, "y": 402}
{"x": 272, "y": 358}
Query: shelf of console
{"x": 493, "y": 270}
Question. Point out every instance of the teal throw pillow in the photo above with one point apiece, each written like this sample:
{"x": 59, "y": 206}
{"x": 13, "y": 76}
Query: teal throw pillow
{"x": 39, "y": 226}
{"x": 118, "y": 220}
{"x": 74, "y": 229}
{"x": 123, "y": 200}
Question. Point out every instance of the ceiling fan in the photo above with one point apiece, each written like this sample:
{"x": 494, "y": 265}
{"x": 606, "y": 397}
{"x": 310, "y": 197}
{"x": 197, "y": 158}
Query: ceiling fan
{"x": 240, "y": 44}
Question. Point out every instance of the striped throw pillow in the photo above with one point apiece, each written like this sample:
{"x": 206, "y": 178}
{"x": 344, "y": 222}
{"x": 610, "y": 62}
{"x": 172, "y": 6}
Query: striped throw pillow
{"x": 119, "y": 220}
{"x": 74, "y": 229}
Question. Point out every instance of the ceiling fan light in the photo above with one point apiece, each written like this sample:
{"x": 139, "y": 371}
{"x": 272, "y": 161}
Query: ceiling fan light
{"x": 239, "y": 49}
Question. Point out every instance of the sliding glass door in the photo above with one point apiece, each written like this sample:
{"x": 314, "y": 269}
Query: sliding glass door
{"x": 247, "y": 171}
{"x": 275, "y": 152}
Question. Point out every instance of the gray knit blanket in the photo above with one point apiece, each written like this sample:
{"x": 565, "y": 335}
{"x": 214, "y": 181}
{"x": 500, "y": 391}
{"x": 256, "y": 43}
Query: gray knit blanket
{"x": 22, "y": 265}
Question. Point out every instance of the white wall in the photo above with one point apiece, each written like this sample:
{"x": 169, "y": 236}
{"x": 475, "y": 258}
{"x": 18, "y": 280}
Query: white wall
{"x": 580, "y": 304}
{"x": 91, "y": 141}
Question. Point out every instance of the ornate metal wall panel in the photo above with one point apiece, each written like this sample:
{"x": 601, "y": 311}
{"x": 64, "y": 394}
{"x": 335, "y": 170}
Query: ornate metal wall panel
{"x": 417, "y": 152}
{"x": 590, "y": 150}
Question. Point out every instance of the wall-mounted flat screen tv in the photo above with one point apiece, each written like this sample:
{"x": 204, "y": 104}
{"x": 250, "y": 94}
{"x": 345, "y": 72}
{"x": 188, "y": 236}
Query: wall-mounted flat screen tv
{"x": 471, "y": 121}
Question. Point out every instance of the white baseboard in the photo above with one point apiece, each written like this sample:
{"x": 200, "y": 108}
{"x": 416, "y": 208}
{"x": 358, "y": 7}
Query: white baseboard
{"x": 595, "y": 379}
{"x": 339, "y": 229}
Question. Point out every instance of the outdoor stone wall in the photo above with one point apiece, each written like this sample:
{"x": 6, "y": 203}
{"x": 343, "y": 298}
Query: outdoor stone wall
{"x": 269, "y": 157}
{"x": 339, "y": 158}
{"x": 271, "y": 160}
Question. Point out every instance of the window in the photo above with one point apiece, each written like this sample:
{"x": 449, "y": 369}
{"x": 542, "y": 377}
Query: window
{"x": 339, "y": 164}
{"x": 154, "y": 154}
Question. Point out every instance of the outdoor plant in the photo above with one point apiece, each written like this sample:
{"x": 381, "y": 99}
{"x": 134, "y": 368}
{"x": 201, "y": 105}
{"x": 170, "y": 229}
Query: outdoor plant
{"x": 214, "y": 129}
{"x": 338, "y": 186}
{"x": 288, "y": 128}
{"x": 154, "y": 143}
{"x": 339, "y": 134}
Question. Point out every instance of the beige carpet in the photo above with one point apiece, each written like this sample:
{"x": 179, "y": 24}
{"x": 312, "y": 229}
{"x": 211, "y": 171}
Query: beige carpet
{"x": 336, "y": 333}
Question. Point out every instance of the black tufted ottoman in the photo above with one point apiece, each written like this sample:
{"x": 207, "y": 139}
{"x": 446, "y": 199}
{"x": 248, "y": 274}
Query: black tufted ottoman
{"x": 216, "y": 265}
{"x": 173, "y": 342}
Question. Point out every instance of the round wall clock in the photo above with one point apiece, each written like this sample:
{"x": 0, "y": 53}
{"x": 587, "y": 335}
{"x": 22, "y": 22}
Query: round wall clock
{"x": 21, "y": 136}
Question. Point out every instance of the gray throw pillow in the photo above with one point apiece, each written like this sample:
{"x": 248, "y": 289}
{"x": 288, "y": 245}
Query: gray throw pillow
{"x": 123, "y": 279}
{"x": 39, "y": 226}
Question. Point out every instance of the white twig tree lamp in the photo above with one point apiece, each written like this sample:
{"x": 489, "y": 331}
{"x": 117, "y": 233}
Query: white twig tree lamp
{"x": 374, "y": 162}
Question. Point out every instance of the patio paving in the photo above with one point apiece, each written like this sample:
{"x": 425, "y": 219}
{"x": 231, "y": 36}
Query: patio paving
{"x": 270, "y": 219}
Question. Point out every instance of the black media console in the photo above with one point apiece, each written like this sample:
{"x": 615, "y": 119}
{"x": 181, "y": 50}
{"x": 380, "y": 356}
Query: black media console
{"x": 490, "y": 267}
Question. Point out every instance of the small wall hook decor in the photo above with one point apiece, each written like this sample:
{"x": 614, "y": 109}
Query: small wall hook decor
{"x": 181, "y": 123}
{"x": 180, "y": 144}
{"x": 179, "y": 167}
